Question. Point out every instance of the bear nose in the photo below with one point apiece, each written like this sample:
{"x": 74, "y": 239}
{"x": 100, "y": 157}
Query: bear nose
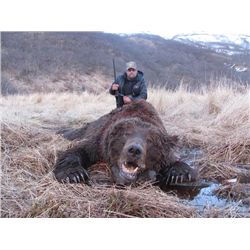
{"x": 134, "y": 150}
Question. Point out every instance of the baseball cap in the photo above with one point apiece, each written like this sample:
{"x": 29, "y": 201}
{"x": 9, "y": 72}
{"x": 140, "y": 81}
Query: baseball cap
{"x": 131, "y": 65}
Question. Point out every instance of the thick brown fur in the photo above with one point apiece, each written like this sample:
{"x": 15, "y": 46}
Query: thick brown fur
{"x": 131, "y": 138}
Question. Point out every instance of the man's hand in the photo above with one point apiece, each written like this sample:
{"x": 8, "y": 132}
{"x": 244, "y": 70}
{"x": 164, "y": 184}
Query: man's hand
{"x": 115, "y": 86}
{"x": 126, "y": 100}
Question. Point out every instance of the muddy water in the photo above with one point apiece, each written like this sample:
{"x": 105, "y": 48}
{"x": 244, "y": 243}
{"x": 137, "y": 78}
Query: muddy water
{"x": 206, "y": 198}
{"x": 203, "y": 196}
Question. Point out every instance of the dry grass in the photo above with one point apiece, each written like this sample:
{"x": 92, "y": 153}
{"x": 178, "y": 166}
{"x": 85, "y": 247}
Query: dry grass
{"x": 215, "y": 121}
{"x": 235, "y": 191}
{"x": 29, "y": 189}
{"x": 231, "y": 211}
{"x": 94, "y": 82}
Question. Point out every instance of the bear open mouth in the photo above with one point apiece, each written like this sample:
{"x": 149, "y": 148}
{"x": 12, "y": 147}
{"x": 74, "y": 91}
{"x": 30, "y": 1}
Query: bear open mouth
{"x": 129, "y": 170}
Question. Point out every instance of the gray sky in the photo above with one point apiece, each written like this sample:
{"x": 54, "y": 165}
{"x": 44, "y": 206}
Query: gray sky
{"x": 178, "y": 16}
{"x": 130, "y": 16}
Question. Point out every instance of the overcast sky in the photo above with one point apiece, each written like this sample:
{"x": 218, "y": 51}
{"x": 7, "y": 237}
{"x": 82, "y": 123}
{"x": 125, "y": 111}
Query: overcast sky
{"x": 165, "y": 18}
{"x": 213, "y": 16}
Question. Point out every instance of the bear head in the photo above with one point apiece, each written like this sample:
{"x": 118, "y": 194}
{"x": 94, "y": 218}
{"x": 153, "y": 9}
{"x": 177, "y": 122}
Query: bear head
{"x": 137, "y": 150}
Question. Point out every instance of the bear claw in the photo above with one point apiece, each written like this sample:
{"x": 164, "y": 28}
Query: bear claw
{"x": 73, "y": 176}
{"x": 176, "y": 180}
{"x": 78, "y": 178}
{"x": 182, "y": 178}
{"x": 172, "y": 180}
{"x": 81, "y": 174}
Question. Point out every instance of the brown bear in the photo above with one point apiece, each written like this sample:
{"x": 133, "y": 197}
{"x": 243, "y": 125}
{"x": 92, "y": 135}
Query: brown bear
{"x": 132, "y": 140}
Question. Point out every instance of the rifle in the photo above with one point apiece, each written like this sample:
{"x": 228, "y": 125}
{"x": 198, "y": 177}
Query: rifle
{"x": 114, "y": 69}
{"x": 116, "y": 92}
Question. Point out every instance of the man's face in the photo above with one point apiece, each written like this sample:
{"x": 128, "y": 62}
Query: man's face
{"x": 131, "y": 73}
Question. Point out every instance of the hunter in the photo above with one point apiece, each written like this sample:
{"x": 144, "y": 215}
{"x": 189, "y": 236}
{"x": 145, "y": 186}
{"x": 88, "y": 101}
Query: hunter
{"x": 129, "y": 86}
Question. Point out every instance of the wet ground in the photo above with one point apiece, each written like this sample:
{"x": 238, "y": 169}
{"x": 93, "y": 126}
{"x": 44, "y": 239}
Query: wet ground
{"x": 201, "y": 195}
{"x": 206, "y": 198}
{"x": 204, "y": 194}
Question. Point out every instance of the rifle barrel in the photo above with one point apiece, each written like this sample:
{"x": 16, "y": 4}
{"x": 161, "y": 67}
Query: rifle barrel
{"x": 116, "y": 92}
{"x": 114, "y": 70}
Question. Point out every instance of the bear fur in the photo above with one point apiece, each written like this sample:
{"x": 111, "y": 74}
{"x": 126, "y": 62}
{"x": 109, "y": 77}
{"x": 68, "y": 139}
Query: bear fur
{"x": 134, "y": 143}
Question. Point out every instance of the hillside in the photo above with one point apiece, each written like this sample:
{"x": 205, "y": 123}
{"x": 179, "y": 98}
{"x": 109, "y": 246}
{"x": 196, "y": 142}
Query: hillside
{"x": 77, "y": 61}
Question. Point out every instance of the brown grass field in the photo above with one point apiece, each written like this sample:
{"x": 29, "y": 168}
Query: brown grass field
{"x": 214, "y": 121}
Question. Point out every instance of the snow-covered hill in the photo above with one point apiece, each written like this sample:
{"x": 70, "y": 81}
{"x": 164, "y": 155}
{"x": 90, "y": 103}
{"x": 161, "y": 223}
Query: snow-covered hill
{"x": 229, "y": 44}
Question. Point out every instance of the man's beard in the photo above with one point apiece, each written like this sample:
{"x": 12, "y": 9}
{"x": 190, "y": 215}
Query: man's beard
{"x": 131, "y": 78}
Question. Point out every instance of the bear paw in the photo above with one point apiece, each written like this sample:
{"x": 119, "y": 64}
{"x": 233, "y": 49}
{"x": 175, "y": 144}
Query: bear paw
{"x": 69, "y": 170}
{"x": 72, "y": 175}
{"x": 180, "y": 172}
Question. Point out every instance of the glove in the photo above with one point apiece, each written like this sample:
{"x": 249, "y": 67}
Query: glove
{"x": 115, "y": 86}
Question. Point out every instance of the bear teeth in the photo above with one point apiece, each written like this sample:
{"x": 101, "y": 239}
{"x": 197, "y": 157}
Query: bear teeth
{"x": 129, "y": 170}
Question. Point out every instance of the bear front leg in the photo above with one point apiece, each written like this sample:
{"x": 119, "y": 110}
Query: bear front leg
{"x": 178, "y": 172}
{"x": 71, "y": 166}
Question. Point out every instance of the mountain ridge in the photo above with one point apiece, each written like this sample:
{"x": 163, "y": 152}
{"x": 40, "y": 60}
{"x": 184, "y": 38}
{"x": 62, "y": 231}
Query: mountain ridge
{"x": 226, "y": 43}
{"x": 75, "y": 61}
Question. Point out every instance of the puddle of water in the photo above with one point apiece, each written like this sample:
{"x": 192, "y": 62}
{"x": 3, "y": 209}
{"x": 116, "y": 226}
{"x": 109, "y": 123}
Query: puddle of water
{"x": 206, "y": 198}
